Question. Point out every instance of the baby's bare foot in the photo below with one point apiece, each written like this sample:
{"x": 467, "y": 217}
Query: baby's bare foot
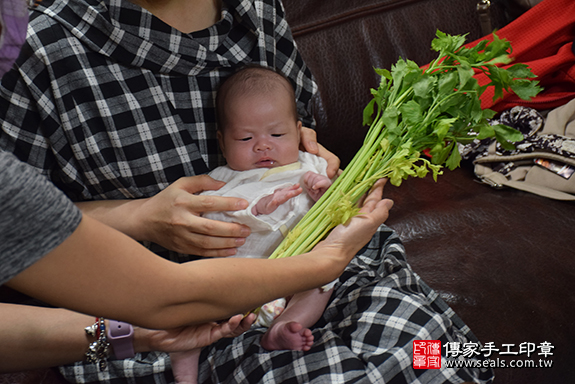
{"x": 287, "y": 335}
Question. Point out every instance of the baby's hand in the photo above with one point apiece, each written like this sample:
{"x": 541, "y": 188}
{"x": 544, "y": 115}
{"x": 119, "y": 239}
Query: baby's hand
{"x": 316, "y": 184}
{"x": 270, "y": 203}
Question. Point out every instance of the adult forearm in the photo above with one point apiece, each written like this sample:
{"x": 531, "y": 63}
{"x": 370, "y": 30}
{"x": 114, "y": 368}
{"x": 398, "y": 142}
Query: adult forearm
{"x": 118, "y": 214}
{"x": 232, "y": 286}
{"x": 130, "y": 283}
{"x": 37, "y": 337}
{"x": 41, "y": 337}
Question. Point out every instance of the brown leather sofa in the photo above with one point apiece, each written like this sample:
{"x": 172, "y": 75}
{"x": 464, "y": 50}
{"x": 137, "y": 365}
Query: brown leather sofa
{"x": 501, "y": 258}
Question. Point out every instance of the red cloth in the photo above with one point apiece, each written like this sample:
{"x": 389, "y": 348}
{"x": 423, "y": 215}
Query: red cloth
{"x": 542, "y": 38}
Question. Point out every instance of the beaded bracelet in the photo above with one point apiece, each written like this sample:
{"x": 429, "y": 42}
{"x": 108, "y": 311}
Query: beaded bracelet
{"x": 99, "y": 350}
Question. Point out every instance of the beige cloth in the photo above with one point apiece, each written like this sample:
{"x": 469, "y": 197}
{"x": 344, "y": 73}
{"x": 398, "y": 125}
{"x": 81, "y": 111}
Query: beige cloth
{"x": 554, "y": 143}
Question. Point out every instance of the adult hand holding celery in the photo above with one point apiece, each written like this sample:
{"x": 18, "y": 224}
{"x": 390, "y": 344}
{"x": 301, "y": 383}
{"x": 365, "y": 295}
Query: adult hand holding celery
{"x": 416, "y": 109}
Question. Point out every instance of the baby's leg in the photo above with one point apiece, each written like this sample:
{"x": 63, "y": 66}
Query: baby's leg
{"x": 290, "y": 329}
{"x": 185, "y": 366}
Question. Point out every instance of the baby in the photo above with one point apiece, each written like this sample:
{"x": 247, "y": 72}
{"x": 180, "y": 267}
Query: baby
{"x": 259, "y": 135}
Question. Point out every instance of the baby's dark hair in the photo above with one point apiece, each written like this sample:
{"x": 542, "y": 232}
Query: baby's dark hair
{"x": 247, "y": 81}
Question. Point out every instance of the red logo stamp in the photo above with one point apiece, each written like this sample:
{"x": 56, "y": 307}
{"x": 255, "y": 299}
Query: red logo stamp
{"x": 426, "y": 354}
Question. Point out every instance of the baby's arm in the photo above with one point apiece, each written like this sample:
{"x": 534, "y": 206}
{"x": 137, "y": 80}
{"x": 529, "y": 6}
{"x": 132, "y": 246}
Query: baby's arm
{"x": 268, "y": 204}
{"x": 316, "y": 184}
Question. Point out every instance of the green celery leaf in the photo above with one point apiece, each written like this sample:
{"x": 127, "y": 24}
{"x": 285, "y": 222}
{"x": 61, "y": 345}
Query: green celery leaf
{"x": 470, "y": 86}
{"x": 422, "y": 170}
{"x": 390, "y": 117}
{"x": 368, "y": 113}
{"x": 436, "y": 169}
{"x": 475, "y": 112}
{"x": 440, "y": 152}
{"x": 447, "y": 43}
{"x": 485, "y": 131}
{"x": 459, "y": 128}
{"x": 447, "y": 83}
{"x": 473, "y": 53}
{"x": 525, "y": 89}
{"x": 520, "y": 71}
{"x": 503, "y": 59}
{"x": 454, "y": 158}
{"x": 488, "y": 113}
{"x": 398, "y": 72}
{"x": 424, "y": 102}
{"x": 411, "y": 113}
{"x": 495, "y": 49}
{"x": 499, "y": 80}
{"x": 411, "y": 75}
{"x": 455, "y": 103}
{"x": 507, "y": 133}
{"x": 424, "y": 86}
{"x": 465, "y": 73}
{"x": 504, "y": 143}
{"x": 384, "y": 73}
{"x": 384, "y": 143}
{"x": 441, "y": 127}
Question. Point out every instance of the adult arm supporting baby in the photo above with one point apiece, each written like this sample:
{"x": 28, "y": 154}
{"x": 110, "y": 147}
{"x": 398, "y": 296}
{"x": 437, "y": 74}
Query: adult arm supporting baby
{"x": 109, "y": 274}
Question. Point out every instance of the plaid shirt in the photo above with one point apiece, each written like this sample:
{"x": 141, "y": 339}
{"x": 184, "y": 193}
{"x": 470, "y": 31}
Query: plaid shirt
{"x": 112, "y": 103}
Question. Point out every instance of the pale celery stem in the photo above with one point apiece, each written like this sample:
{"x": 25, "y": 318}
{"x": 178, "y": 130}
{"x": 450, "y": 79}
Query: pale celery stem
{"x": 382, "y": 159}
{"x": 361, "y": 188}
{"x": 308, "y": 229}
{"x": 358, "y": 163}
{"x": 374, "y": 173}
{"x": 325, "y": 200}
{"x": 306, "y": 241}
{"x": 402, "y": 97}
{"x": 319, "y": 232}
{"x": 304, "y": 248}
{"x": 375, "y": 128}
{"x": 375, "y": 162}
{"x": 314, "y": 217}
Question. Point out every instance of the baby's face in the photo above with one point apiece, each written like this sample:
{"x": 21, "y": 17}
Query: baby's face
{"x": 262, "y": 132}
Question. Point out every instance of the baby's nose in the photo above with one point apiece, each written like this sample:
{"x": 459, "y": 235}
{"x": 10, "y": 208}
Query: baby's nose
{"x": 263, "y": 145}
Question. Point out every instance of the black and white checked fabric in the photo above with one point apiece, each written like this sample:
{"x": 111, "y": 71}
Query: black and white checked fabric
{"x": 110, "y": 102}
{"x": 366, "y": 335}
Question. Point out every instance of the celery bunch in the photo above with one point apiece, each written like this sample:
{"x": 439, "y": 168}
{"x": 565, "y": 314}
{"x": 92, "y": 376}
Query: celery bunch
{"x": 417, "y": 109}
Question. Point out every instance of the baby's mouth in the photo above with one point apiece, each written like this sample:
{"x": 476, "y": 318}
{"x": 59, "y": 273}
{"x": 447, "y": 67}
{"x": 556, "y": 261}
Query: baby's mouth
{"x": 266, "y": 163}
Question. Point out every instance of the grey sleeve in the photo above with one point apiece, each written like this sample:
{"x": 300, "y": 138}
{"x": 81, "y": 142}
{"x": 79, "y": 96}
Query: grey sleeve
{"x": 35, "y": 216}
